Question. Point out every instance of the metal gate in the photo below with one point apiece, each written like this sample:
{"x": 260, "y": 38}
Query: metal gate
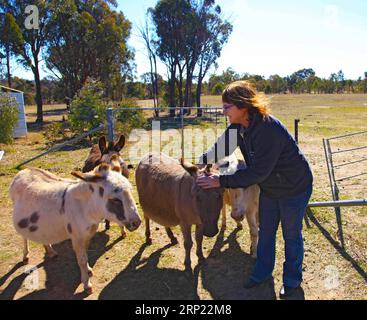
{"x": 334, "y": 165}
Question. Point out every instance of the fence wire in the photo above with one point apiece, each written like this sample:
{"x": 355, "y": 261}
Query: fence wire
{"x": 184, "y": 135}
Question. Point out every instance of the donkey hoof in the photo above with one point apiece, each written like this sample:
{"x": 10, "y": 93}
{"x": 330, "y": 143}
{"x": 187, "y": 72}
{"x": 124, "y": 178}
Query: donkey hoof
{"x": 188, "y": 273}
{"x": 201, "y": 260}
{"x": 174, "y": 241}
{"x": 188, "y": 269}
{"x": 148, "y": 241}
{"x": 88, "y": 290}
{"x": 25, "y": 260}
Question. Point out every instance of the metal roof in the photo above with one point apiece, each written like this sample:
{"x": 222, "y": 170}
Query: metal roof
{"x": 10, "y": 89}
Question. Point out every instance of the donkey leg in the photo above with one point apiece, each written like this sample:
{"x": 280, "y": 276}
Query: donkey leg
{"x": 107, "y": 225}
{"x": 25, "y": 251}
{"x": 80, "y": 250}
{"x": 123, "y": 232}
{"x": 251, "y": 217}
{"x": 148, "y": 239}
{"x": 186, "y": 231}
{"x": 199, "y": 233}
{"x": 224, "y": 218}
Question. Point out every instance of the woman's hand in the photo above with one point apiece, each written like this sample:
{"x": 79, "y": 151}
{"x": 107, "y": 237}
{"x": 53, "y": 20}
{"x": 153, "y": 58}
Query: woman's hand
{"x": 208, "y": 181}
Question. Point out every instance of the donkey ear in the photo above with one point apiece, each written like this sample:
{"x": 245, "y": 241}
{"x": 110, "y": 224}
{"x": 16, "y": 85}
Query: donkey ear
{"x": 102, "y": 143}
{"x": 190, "y": 168}
{"x": 120, "y": 144}
{"x": 87, "y": 177}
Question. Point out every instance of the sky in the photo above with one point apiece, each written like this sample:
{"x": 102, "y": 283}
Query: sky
{"x": 276, "y": 37}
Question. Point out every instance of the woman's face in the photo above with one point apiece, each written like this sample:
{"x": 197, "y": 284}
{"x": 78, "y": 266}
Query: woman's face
{"x": 234, "y": 114}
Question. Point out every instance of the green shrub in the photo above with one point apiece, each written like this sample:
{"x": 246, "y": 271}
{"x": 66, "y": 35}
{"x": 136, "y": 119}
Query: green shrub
{"x": 88, "y": 110}
{"x": 217, "y": 89}
{"x": 56, "y": 131}
{"x": 8, "y": 117}
{"x": 128, "y": 118}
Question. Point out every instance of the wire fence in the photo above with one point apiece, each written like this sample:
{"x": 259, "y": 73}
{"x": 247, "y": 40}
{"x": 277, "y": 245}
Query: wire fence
{"x": 184, "y": 135}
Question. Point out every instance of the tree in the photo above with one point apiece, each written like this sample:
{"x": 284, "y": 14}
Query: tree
{"x": 340, "y": 85}
{"x": 88, "y": 110}
{"x": 168, "y": 17}
{"x": 88, "y": 39}
{"x": 145, "y": 33}
{"x": 1, "y": 66}
{"x": 315, "y": 85}
{"x": 147, "y": 80}
{"x": 190, "y": 36}
{"x": 277, "y": 84}
{"x": 29, "y": 45}
{"x": 214, "y": 33}
{"x": 224, "y": 79}
{"x": 10, "y": 38}
{"x": 299, "y": 76}
{"x": 217, "y": 89}
{"x": 349, "y": 84}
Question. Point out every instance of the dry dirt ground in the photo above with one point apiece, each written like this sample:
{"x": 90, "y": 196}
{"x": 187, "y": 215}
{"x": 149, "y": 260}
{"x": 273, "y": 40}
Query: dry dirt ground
{"x": 128, "y": 269}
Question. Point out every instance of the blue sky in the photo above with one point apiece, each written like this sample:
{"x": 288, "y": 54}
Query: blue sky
{"x": 279, "y": 37}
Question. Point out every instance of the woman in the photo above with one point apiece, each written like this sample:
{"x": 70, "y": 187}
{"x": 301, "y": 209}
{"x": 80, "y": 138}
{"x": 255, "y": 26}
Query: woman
{"x": 276, "y": 164}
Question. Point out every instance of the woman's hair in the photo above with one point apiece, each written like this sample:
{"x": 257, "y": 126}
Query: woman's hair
{"x": 244, "y": 95}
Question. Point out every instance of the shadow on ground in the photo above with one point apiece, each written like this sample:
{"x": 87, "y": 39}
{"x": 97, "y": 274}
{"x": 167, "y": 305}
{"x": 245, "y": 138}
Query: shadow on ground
{"x": 143, "y": 280}
{"x": 225, "y": 271}
{"x": 62, "y": 272}
{"x": 337, "y": 246}
{"x": 222, "y": 275}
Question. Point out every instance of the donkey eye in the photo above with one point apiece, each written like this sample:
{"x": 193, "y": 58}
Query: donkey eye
{"x": 117, "y": 190}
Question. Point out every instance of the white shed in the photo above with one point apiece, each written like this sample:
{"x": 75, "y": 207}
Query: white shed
{"x": 21, "y": 129}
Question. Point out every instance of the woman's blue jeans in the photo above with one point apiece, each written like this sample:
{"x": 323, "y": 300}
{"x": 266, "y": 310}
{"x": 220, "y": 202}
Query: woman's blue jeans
{"x": 290, "y": 212}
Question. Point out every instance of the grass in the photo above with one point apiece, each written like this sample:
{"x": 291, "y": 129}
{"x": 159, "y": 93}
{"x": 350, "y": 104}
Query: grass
{"x": 126, "y": 269}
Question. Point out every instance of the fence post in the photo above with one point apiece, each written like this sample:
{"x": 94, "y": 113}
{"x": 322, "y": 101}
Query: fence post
{"x": 296, "y": 121}
{"x": 182, "y": 135}
{"x": 335, "y": 193}
{"x": 110, "y": 124}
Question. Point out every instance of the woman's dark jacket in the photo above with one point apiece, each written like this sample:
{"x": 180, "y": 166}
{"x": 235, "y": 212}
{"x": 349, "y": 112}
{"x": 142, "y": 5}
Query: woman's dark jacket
{"x": 273, "y": 158}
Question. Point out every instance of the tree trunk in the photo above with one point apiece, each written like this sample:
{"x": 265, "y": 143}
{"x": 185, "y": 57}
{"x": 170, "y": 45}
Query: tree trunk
{"x": 155, "y": 86}
{"x": 8, "y": 67}
{"x": 198, "y": 98}
{"x": 172, "y": 102}
{"x": 38, "y": 93}
{"x": 188, "y": 102}
{"x": 152, "y": 82}
{"x": 180, "y": 93}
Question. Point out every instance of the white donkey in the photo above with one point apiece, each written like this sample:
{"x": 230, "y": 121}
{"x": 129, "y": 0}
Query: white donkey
{"x": 244, "y": 201}
{"x": 49, "y": 209}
